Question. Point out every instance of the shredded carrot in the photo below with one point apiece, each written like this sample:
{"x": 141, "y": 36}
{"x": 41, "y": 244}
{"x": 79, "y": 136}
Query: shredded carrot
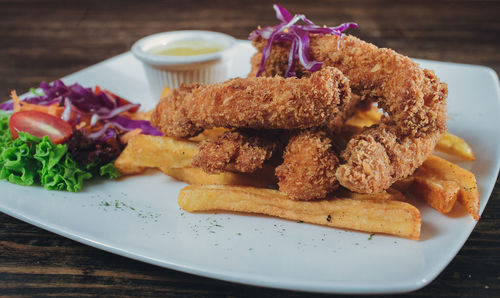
{"x": 16, "y": 101}
{"x": 55, "y": 110}
{"x": 81, "y": 125}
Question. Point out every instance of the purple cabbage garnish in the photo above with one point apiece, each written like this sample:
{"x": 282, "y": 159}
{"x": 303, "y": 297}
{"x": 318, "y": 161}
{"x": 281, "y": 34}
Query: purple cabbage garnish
{"x": 99, "y": 105}
{"x": 108, "y": 130}
{"x": 298, "y": 35}
{"x": 7, "y": 106}
{"x": 124, "y": 123}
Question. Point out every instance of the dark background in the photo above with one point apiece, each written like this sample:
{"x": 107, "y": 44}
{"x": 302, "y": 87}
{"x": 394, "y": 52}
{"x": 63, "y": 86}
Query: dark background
{"x": 45, "y": 40}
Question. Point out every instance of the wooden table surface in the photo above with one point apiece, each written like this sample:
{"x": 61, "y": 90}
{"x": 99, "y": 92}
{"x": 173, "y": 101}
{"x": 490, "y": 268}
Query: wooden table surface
{"x": 45, "y": 40}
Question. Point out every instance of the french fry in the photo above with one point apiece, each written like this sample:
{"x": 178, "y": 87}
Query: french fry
{"x": 198, "y": 176}
{"x": 439, "y": 194}
{"x": 403, "y": 184}
{"x": 209, "y": 134}
{"x": 389, "y": 194}
{"x": 373, "y": 216}
{"x": 453, "y": 145}
{"x": 166, "y": 91}
{"x": 440, "y": 169}
{"x": 127, "y": 165}
{"x": 173, "y": 157}
{"x": 144, "y": 151}
{"x": 364, "y": 118}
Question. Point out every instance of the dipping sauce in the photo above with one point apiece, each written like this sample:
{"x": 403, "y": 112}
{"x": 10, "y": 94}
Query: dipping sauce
{"x": 187, "y": 48}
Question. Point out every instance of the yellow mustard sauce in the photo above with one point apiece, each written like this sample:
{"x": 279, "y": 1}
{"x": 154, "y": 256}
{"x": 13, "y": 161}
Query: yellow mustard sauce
{"x": 187, "y": 48}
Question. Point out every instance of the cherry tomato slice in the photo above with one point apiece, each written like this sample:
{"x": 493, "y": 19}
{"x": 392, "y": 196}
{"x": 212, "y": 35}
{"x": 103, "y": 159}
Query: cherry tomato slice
{"x": 40, "y": 124}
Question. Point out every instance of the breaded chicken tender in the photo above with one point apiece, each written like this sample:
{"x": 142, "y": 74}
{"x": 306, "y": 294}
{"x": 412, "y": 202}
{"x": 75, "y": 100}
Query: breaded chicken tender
{"x": 261, "y": 103}
{"x": 376, "y": 158}
{"x": 242, "y": 150}
{"x": 414, "y": 98}
{"x": 309, "y": 166}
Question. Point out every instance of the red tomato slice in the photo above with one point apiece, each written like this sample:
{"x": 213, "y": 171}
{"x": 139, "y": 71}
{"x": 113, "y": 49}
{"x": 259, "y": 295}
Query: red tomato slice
{"x": 40, "y": 124}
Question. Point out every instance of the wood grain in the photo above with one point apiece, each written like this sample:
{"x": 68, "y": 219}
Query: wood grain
{"x": 45, "y": 40}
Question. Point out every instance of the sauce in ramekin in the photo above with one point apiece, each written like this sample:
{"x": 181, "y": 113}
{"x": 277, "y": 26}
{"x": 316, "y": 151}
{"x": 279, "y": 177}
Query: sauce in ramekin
{"x": 187, "y": 48}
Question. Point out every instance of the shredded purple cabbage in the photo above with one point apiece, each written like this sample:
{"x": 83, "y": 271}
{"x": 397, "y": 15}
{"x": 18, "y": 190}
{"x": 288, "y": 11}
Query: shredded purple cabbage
{"x": 100, "y": 106}
{"x": 298, "y": 36}
{"x": 129, "y": 124}
{"x": 7, "y": 106}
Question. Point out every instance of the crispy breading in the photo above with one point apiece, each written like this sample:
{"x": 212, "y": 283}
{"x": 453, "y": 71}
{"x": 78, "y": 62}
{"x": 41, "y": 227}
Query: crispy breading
{"x": 263, "y": 103}
{"x": 376, "y": 158}
{"x": 308, "y": 168}
{"x": 170, "y": 116}
{"x": 242, "y": 150}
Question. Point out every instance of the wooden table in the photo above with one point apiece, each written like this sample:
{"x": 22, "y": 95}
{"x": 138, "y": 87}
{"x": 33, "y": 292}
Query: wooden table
{"x": 45, "y": 40}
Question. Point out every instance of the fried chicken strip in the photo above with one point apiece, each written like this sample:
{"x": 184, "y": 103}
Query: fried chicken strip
{"x": 309, "y": 161}
{"x": 242, "y": 150}
{"x": 376, "y": 158}
{"x": 309, "y": 166}
{"x": 262, "y": 103}
{"x": 405, "y": 91}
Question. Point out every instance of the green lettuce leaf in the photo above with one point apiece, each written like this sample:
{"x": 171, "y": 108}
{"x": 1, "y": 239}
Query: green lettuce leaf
{"x": 28, "y": 160}
{"x": 109, "y": 170}
{"x": 16, "y": 158}
{"x": 58, "y": 170}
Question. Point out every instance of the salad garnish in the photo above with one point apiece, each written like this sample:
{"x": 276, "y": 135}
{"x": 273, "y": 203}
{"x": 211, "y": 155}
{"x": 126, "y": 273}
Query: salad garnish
{"x": 64, "y": 135}
{"x": 298, "y": 35}
{"x": 85, "y": 108}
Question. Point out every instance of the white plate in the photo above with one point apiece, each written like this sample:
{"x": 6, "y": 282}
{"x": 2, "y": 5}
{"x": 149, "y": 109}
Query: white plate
{"x": 139, "y": 218}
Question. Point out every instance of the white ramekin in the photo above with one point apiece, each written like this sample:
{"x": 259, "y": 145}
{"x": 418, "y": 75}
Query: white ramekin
{"x": 171, "y": 71}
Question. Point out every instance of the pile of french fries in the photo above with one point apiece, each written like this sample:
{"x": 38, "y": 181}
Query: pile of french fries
{"x": 438, "y": 182}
